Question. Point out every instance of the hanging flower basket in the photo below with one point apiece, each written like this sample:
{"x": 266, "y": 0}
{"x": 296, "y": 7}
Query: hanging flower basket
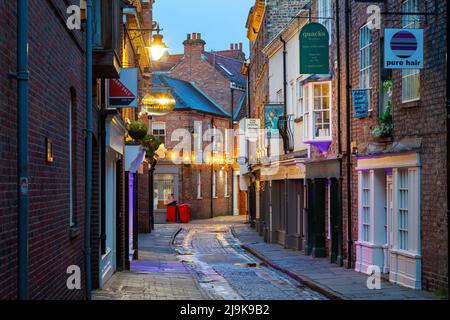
{"x": 137, "y": 130}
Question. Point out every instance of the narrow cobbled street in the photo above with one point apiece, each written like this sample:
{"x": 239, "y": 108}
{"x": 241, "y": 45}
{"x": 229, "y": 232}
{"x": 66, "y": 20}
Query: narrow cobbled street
{"x": 202, "y": 260}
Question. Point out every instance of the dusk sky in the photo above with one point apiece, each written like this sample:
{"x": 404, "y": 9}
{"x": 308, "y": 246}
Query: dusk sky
{"x": 220, "y": 22}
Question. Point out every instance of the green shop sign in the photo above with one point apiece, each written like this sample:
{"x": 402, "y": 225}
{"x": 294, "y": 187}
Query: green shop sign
{"x": 314, "y": 49}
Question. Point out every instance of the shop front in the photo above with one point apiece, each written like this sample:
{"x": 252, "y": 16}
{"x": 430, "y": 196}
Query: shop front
{"x": 389, "y": 217}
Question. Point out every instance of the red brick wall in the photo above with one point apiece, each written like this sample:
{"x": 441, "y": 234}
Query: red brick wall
{"x": 55, "y": 68}
{"x": 424, "y": 121}
{"x": 188, "y": 179}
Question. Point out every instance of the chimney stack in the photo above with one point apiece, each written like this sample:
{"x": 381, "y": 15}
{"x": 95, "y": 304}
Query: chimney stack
{"x": 240, "y": 46}
{"x": 194, "y": 46}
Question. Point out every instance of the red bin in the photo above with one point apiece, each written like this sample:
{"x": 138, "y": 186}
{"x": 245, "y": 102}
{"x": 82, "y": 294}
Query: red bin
{"x": 171, "y": 214}
{"x": 185, "y": 213}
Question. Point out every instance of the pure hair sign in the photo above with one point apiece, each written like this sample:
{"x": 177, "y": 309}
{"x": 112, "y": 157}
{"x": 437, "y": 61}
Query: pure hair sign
{"x": 403, "y": 49}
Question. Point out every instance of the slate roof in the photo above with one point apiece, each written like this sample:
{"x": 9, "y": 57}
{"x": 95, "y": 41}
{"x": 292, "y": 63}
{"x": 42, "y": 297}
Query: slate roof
{"x": 189, "y": 97}
{"x": 239, "y": 113}
{"x": 229, "y": 67}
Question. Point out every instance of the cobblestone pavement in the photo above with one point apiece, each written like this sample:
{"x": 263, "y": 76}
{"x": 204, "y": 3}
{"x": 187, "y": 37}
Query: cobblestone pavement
{"x": 228, "y": 272}
{"x": 204, "y": 262}
{"x": 341, "y": 282}
{"x": 157, "y": 275}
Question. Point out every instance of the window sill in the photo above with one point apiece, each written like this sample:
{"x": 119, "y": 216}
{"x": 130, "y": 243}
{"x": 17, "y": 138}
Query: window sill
{"x": 74, "y": 231}
{"x": 216, "y": 197}
{"x": 226, "y": 196}
{"x": 411, "y": 104}
{"x": 199, "y": 198}
{"x": 298, "y": 120}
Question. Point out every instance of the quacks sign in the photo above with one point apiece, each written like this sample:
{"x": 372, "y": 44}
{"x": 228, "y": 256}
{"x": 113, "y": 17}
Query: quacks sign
{"x": 314, "y": 49}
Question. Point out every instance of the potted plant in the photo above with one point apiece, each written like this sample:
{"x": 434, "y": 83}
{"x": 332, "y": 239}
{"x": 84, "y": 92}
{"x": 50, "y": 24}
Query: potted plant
{"x": 137, "y": 130}
{"x": 150, "y": 144}
{"x": 383, "y": 132}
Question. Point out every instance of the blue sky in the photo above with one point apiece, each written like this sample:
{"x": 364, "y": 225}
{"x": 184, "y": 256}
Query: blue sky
{"x": 220, "y": 22}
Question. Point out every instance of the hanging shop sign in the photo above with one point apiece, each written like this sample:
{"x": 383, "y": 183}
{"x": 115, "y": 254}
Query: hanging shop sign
{"x": 314, "y": 49}
{"x": 360, "y": 103}
{"x": 403, "y": 49}
{"x": 272, "y": 113}
{"x": 252, "y": 127}
{"x": 123, "y": 92}
{"x": 159, "y": 103}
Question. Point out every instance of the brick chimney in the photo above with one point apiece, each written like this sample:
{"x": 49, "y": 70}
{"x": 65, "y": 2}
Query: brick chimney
{"x": 194, "y": 46}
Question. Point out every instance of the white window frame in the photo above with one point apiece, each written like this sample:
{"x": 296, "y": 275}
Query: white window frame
{"x": 325, "y": 14}
{"x": 365, "y": 61}
{"x": 365, "y": 207}
{"x": 300, "y": 99}
{"x": 410, "y": 77}
{"x": 292, "y": 106}
{"x": 403, "y": 210}
{"x": 310, "y": 111}
{"x": 160, "y": 126}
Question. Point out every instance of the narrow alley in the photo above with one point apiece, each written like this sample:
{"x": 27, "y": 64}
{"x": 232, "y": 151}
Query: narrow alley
{"x": 202, "y": 260}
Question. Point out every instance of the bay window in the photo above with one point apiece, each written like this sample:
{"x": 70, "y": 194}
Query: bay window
{"x": 403, "y": 209}
{"x": 300, "y": 100}
{"x": 365, "y": 205}
{"x": 317, "y": 112}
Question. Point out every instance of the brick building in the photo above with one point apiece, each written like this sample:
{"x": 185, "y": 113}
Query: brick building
{"x": 208, "y": 88}
{"x": 56, "y": 191}
{"x": 398, "y": 180}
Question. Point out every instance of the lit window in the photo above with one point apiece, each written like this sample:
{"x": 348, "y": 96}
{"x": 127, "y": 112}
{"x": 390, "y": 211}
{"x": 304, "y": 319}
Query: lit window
{"x": 159, "y": 131}
{"x": 410, "y": 77}
{"x": 365, "y": 62}
{"x": 321, "y": 111}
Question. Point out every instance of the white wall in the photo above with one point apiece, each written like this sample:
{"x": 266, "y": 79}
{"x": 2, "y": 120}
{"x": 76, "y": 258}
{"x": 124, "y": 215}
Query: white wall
{"x": 276, "y": 83}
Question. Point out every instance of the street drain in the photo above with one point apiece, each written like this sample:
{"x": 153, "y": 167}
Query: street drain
{"x": 251, "y": 265}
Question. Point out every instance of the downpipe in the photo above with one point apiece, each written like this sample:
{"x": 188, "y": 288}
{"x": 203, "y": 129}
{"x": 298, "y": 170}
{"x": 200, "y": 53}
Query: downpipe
{"x": 22, "y": 77}
{"x": 89, "y": 143}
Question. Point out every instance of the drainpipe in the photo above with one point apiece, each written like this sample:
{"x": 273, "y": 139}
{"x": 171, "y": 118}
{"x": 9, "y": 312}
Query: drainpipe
{"x": 89, "y": 142}
{"x": 232, "y": 169}
{"x": 339, "y": 101}
{"x": 22, "y": 76}
{"x": 448, "y": 120}
{"x": 286, "y": 147}
{"x": 349, "y": 156}
{"x": 212, "y": 173}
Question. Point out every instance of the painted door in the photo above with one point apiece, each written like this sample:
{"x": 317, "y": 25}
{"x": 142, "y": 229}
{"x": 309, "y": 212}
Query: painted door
{"x": 335, "y": 222}
{"x": 108, "y": 260}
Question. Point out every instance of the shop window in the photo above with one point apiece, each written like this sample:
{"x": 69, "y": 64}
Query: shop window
{"x": 365, "y": 206}
{"x": 164, "y": 190}
{"x": 403, "y": 209}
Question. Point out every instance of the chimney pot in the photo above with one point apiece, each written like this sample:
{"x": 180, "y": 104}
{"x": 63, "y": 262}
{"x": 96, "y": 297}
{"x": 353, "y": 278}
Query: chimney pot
{"x": 231, "y": 46}
{"x": 189, "y": 36}
{"x": 240, "y": 46}
{"x": 199, "y": 36}
{"x": 194, "y": 36}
